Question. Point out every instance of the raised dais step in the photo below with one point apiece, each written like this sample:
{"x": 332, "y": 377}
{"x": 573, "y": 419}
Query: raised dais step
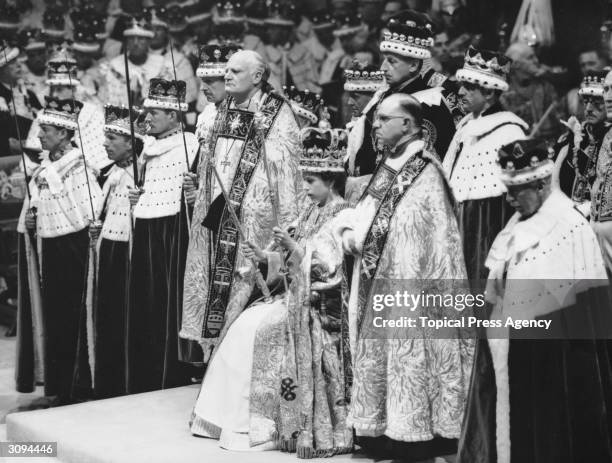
{"x": 148, "y": 428}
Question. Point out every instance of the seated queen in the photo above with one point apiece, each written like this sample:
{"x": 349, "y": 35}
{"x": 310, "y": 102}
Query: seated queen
{"x": 278, "y": 379}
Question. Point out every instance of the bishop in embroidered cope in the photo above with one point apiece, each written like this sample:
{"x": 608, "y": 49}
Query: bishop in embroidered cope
{"x": 214, "y": 294}
{"x": 404, "y": 228}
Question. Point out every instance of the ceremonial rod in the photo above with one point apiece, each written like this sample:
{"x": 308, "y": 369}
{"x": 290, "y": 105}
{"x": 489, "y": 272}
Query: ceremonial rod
{"x": 259, "y": 279}
{"x": 93, "y": 214}
{"x": 25, "y": 169}
{"x": 130, "y": 106}
{"x": 180, "y": 111}
{"x": 274, "y": 200}
{"x": 538, "y": 125}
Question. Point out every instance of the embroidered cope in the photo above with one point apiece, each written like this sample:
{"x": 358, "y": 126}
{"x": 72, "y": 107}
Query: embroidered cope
{"x": 396, "y": 391}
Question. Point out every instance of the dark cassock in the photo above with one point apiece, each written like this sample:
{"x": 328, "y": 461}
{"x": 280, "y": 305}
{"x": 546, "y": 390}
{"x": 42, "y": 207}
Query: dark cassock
{"x": 214, "y": 293}
{"x": 158, "y": 249}
{"x": 64, "y": 191}
{"x": 409, "y": 36}
{"x": 110, "y": 300}
{"x": 471, "y": 161}
{"x": 577, "y": 149}
{"x": 542, "y": 394}
{"x": 25, "y": 101}
{"x": 405, "y": 229}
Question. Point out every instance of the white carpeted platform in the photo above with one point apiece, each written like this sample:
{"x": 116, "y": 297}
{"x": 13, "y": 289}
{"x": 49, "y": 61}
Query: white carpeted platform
{"x": 142, "y": 428}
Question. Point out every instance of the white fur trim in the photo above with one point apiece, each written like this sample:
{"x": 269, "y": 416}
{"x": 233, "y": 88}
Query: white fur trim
{"x": 9, "y": 26}
{"x": 306, "y": 168}
{"x": 473, "y": 152}
{"x": 499, "y": 355}
{"x": 165, "y": 160}
{"x": 178, "y": 28}
{"x": 198, "y": 18}
{"x": 348, "y": 30}
{"x": 318, "y": 27}
{"x": 404, "y": 49}
{"x": 591, "y": 91}
{"x": 362, "y": 86}
{"x": 154, "y": 103}
{"x": 12, "y": 54}
{"x": 211, "y": 71}
{"x": 37, "y": 45}
{"x": 122, "y": 131}
{"x": 118, "y": 222}
{"x": 138, "y": 32}
{"x": 279, "y": 22}
{"x": 233, "y": 19}
{"x": 304, "y": 113}
{"x": 44, "y": 118}
{"x": 63, "y": 81}
{"x": 485, "y": 80}
{"x": 86, "y": 47}
{"x": 54, "y": 33}
{"x": 526, "y": 176}
{"x": 92, "y": 269}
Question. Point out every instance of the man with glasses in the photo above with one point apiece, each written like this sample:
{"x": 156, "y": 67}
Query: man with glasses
{"x": 576, "y": 162}
{"x": 404, "y": 227}
{"x": 406, "y": 48}
{"x": 471, "y": 161}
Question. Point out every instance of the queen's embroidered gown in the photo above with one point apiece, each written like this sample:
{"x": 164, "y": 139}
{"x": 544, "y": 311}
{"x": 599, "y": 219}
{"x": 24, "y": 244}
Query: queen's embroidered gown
{"x": 278, "y": 377}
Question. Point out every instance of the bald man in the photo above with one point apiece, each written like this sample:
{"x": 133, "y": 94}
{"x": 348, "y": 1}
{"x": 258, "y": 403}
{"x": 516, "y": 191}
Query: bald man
{"x": 219, "y": 280}
{"x": 404, "y": 228}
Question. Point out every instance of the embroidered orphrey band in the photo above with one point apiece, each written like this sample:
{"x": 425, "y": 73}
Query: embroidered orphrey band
{"x": 393, "y": 190}
{"x": 226, "y": 245}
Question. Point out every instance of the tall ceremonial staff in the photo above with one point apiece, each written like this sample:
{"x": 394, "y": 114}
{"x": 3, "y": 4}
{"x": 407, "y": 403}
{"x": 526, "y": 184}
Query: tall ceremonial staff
{"x": 260, "y": 121}
{"x": 94, "y": 219}
{"x": 130, "y": 107}
{"x": 18, "y": 131}
{"x": 180, "y": 111}
{"x": 32, "y": 264}
{"x": 95, "y": 223}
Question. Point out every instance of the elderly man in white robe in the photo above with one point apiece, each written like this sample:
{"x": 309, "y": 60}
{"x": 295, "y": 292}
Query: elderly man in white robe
{"x": 216, "y": 289}
{"x": 403, "y": 227}
{"x": 541, "y": 392}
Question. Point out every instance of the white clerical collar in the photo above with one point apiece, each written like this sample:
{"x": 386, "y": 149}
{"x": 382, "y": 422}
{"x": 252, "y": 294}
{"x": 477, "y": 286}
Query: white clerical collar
{"x": 410, "y": 150}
